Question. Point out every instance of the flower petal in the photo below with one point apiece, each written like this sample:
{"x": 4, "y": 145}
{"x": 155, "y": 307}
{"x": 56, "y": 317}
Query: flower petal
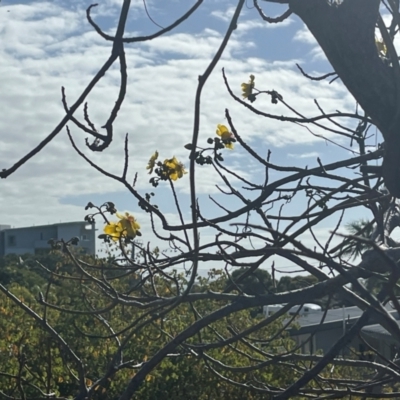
{"x": 152, "y": 162}
{"x": 221, "y": 129}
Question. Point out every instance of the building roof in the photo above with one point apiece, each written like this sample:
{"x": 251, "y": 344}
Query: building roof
{"x": 8, "y": 227}
{"x": 378, "y": 332}
{"x": 337, "y": 315}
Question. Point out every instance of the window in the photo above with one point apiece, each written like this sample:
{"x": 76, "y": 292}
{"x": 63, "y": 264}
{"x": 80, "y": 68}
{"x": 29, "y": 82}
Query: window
{"x": 11, "y": 241}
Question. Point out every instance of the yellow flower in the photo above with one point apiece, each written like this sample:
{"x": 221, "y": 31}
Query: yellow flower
{"x": 114, "y": 230}
{"x": 247, "y": 88}
{"x": 152, "y": 162}
{"x": 175, "y": 169}
{"x": 381, "y": 47}
{"x": 126, "y": 226}
{"x": 225, "y": 135}
{"x": 129, "y": 224}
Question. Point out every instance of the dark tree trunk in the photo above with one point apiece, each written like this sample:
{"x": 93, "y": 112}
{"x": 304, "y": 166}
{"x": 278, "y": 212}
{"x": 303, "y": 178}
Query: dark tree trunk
{"x": 346, "y": 34}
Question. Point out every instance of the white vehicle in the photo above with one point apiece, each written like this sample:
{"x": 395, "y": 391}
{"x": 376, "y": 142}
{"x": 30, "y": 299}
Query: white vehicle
{"x": 307, "y": 308}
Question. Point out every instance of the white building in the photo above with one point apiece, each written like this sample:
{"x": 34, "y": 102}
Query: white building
{"x": 35, "y": 239}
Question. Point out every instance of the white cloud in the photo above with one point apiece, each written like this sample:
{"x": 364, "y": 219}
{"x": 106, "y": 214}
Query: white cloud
{"x": 304, "y": 35}
{"x": 45, "y": 46}
{"x": 312, "y": 154}
{"x": 249, "y": 24}
{"x": 224, "y": 15}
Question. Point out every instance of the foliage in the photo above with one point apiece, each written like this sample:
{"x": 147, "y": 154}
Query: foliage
{"x": 355, "y": 248}
{"x": 259, "y": 282}
{"x": 29, "y": 352}
{"x": 287, "y": 283}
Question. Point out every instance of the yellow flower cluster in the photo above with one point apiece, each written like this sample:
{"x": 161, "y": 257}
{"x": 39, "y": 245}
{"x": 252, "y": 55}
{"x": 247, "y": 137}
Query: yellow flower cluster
{"x": 247, "y": 88}
{"x": 175, "y": 168}
{"x": 225, "y": 135}
{"x": 127, "y": 226}
{"x": 152, "y": 162}
{"x": 171, "y": 167}
{"x": 381, "y": 47}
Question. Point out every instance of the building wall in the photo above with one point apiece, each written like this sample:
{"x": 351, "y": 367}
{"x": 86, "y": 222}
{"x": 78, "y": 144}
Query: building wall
{"x": 327, "y": 334}
{"x": 2, "y": 235}
{"x": 306, "y": 342}
{"x": 327, "y": 338}
{"x": 85, "y": 232}
{"x": 323, "y": 339}
{"x": 35, "y": 239}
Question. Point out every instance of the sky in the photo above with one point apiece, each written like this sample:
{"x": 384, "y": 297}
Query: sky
{"x": 46, "y": 45}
